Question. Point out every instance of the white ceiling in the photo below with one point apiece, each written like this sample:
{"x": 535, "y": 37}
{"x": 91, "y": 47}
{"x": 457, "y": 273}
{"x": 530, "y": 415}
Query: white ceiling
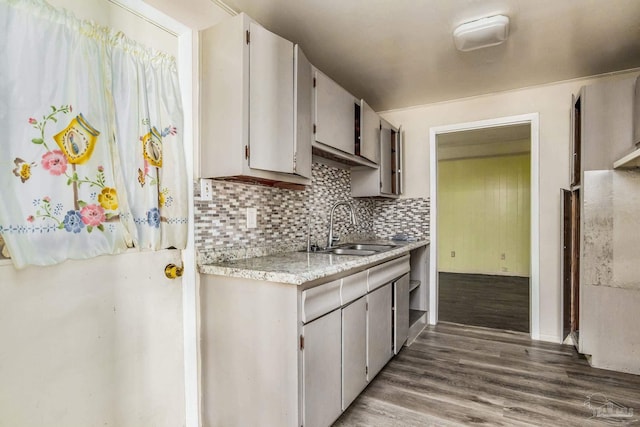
{"x": 400, "y": 53}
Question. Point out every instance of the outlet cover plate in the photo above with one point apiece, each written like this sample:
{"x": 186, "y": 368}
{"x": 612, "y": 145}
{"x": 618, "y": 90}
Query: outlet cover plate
{"x": 252, "y": 217}
{"x": 206, "y": 189}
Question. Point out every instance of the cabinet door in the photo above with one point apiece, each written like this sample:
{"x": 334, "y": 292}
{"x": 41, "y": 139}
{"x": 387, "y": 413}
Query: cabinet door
{"x": 303, "y": 89}
{"x": 335, "y": 109}
{"x": 390, "y": 159}
{"x": 576, "y": 139}
{"x": 369, "y": 133}
{"x": 270, "y": 101}
{"x": 379, "y": 339}
{"x": 400, "y": 312}
{"x": 354, "y": 350}
{"x": 386, "y": 159}
{"x": 399, "y": 162}
{"x": 321, "y": 359}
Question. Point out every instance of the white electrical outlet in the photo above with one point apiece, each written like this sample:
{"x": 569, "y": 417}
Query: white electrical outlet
{"x": 206, "y": 189}
{"x": 252, "y": 217}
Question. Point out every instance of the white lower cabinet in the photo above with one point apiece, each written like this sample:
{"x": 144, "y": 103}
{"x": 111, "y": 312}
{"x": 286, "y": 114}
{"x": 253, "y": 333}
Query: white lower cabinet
{"x": 379, "y": 332}
{"x": 321, "y": 366}
{"x": 354, "y": 350}
{"x": 310, "y": 350}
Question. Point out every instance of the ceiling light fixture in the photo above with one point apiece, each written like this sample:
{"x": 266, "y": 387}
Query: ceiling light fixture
{"x": 484, "y": 32}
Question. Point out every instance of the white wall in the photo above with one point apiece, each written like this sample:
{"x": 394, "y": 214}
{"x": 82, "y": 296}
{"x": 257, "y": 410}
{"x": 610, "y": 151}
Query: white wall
{"x": 553, "y": 103}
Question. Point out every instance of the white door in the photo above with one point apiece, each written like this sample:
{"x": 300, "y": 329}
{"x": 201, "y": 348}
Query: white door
{"x": 270, "y": 101}
{"x": 321, "y": 359}
{"x": 379, "y": 338}
{"x": 98, "y": 341}
{"x": 92, "y": 342}
{"x": 354, "y": 350}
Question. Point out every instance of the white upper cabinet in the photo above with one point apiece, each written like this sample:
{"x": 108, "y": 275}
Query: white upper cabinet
{"x": 335, "y": 110}
{"x": 270, "y": 101}
{"x": 369, "y": 133}
{"x": 255, "y": 104}
{"x": 387, "y": 179}
{"x": 392, "y": 151}
{"x": 303, "y": 108}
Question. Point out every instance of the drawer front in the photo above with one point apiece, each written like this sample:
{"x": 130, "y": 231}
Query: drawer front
{"x": 353, "y": 287}
{"x": 320, "y": 300}
{"x": 384, "y": 273}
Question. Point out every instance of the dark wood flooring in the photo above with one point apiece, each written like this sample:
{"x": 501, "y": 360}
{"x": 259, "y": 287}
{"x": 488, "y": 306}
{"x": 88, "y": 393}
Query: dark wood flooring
{"x": 500, "y": 302}
{"x": 455, "y": 375}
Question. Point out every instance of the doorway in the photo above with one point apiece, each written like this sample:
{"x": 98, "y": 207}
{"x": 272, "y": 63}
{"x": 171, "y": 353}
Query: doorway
{"x": 489, "y": 232}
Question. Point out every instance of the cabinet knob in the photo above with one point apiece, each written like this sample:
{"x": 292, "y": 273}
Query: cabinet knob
{"x": 172, "y": 271}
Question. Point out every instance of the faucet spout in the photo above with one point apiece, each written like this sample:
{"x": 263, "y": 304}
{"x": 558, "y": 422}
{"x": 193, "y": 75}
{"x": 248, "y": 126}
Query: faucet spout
{"x": 331, "y": 239}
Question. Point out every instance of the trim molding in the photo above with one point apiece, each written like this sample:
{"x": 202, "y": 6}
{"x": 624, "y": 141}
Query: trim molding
{"x": 222, "y": 5}
{"x": 532, "y": 119}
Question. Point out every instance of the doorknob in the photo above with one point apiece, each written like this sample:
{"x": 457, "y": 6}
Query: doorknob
{"x": 172, "y": 271}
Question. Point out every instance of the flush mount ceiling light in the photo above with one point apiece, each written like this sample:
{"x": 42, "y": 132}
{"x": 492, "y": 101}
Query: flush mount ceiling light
{"x": 484, "y": 32}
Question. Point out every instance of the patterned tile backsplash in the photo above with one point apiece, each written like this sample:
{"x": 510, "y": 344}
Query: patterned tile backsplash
{"x": 406, "y": 216}
{"x": 285, "y": 216}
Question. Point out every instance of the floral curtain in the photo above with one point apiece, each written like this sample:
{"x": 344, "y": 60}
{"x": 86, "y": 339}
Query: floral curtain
{"x": 68, "y": 147}
{"x": 148, "y": 120}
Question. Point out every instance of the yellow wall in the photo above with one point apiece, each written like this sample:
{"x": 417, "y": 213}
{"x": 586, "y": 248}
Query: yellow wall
{"x": 484, "y": 215}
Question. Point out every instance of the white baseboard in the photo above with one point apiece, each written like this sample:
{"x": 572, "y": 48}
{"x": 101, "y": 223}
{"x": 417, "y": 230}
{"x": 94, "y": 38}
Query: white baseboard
{"x": 551, "y": 338}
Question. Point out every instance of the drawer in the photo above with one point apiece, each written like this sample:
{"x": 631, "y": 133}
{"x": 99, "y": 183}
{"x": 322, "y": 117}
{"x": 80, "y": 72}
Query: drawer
{"x": 320, "y": 300}
{"x": 384, "y": 273}
{"x": 353, "y": 287}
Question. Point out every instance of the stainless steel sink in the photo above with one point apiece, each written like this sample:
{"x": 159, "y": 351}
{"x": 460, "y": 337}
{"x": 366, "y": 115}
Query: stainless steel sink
{"x": 367, "y": 247}
{"x": 349, "y": 251}
{"x": 357, "y": 249}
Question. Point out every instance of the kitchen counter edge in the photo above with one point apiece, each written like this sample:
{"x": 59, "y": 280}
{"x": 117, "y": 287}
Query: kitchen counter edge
{"x": 297, "y": 268}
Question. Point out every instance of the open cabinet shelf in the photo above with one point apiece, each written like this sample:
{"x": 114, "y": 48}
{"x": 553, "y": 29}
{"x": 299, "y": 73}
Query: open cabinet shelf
{"x": 631, "y": 160}
{"x": 415, "y": 315}
{"x": 413, "y": 285}
{"x": 418, "y": 292}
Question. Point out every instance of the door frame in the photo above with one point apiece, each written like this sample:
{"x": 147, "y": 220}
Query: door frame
{"x": 534, "y": 290}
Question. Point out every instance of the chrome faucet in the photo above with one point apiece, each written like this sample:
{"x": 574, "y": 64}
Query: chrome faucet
{"x": 331, "y": 240}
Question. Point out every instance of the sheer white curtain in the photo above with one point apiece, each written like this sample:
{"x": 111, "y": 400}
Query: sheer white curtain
{"x": 72, "y": 96}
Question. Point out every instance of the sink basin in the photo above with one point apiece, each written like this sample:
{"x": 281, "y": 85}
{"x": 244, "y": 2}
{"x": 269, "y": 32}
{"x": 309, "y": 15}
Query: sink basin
{"x": 357, "y": 249}
{"x": 368, "y": 247}
{"x": 349, "y": 251}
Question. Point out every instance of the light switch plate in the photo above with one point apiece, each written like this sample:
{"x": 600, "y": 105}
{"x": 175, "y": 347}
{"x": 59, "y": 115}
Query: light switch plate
{"x": 252, "y": 217}
{"x": 206, "y": 189}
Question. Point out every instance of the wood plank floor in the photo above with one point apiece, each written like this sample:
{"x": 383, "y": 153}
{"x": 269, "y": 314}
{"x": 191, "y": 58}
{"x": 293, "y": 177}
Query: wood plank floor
{"x": 455, "y": 375}
{"x": 499, "y": 302}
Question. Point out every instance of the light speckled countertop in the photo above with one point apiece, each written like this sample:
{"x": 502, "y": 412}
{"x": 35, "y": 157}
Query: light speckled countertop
{"x": 297, "y": 268}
